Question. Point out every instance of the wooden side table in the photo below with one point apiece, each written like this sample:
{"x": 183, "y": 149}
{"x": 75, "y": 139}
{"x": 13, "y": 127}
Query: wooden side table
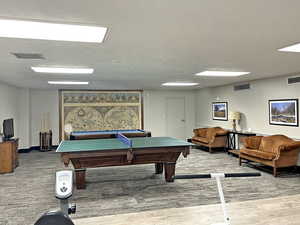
{"x": 9, "y": 158}
{"x": 46, "y": 141}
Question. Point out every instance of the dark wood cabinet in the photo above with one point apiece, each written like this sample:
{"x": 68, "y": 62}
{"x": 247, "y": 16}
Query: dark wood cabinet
{"x": 9, "y": 158}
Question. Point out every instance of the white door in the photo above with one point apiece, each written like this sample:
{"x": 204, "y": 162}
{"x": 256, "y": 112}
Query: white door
{"x": 175, "y": 117}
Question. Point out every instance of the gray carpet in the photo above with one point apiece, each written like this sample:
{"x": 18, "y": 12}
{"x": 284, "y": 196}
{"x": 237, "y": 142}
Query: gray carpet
{"x": 27, "y": 193}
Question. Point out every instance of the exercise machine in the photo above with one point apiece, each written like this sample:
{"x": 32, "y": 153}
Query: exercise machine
{"x": 218, "y": 177}
{"x": 63, "y": 191}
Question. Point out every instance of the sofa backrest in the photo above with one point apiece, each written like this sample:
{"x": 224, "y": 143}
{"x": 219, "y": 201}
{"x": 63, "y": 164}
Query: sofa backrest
{"x": 252, "y": 142}
{"x": 210, "y": 132}
{"x": 273, "y": 142}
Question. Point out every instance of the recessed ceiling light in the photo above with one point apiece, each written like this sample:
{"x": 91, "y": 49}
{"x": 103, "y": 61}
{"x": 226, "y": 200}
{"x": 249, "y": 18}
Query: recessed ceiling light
{"x": 62, "y": 70}
{"x": 179, "y": 84}
{"x": 291, "y": 48}
{"x": 69, "y": 82}
{"x": 221, "y": 73}
{"x": 51, "y": 31}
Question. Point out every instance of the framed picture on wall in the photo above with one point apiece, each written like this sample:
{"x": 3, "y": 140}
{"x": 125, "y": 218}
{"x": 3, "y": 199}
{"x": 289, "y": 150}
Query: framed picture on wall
{"x": 283, "y": 112}
{"x": 96, "y": 110}
{"x": 220, "y": 111}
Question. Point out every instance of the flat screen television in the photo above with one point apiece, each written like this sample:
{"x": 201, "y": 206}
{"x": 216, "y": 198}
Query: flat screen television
{"x": 8, "y": 129}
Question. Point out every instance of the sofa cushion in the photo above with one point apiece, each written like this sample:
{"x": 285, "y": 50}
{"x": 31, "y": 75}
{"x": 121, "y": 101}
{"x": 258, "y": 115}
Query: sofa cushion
{"x": 258, "y": 154}
{"x": 200, "y": 139}
{"x": 252, "y": 142}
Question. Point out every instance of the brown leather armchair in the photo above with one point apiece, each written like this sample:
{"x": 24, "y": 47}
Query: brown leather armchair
{"x": 276, "y": 151}
{"x": 212, "y": 137}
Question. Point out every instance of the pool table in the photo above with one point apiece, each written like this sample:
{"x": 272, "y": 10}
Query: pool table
{"x": 101, "y": 134}
{"x": 161, "y": 151}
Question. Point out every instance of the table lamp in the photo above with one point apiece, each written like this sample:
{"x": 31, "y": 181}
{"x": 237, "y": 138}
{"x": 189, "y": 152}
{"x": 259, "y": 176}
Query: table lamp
{"x": 68, "y": 129}
{"x": 234, "y": 116}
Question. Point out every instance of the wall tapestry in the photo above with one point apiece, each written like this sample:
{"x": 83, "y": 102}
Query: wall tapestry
{"x": 220, "y": 111}
{"x": 283, "y": 112}
{"x": 100, "y": 110}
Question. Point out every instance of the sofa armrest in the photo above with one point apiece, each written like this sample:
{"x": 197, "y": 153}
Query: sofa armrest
{"x": 215, "y": 137}
{"x": 290, "y": 146}
{"x": 222, "y": 133}
{"x": 195, "y": 132}
{"x": 252, "y": 142}
{"x": 200, "y": 132}
{"x": 288, "y": 150}
{"x": 211, "y": 133}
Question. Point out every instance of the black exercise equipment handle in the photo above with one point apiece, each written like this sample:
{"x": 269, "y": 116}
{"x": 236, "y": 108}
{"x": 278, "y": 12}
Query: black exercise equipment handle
{"x": 242, "y": 174}
{"x": 203, "y": 176}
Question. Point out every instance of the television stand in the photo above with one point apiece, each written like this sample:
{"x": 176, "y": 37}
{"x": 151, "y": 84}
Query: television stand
{"x": 9, "y": 159}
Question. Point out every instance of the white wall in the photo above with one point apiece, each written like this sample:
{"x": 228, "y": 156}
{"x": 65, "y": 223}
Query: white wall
{"x": 41, "y": 102}
{"x": 9, "y": 107}
{"x": 155, "y": 111}
{"x": 24, "y": 118}
{"x": 252, "y": 103}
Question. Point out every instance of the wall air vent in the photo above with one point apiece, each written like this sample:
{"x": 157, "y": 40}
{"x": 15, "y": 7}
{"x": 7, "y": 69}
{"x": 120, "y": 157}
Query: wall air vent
{"x": 28, "y": 55}
{"x": 240, "y": 87}
{"x": 293, "y": 80}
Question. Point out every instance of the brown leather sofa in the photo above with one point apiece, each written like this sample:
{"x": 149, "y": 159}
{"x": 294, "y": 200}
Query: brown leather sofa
{"x": 212, "y": 137}
{"x": 276, "y": 151}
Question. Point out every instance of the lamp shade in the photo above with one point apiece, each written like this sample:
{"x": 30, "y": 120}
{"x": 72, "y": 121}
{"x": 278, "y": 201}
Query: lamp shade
{"x": 234, "y": 115}
{"x": 68, "y": 128}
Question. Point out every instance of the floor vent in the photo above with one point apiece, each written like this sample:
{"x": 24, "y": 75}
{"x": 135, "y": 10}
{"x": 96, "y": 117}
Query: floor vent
{"x": 241, "y": 87}
{"x": 293, "y": 80}
{"x": 28, "y": 55}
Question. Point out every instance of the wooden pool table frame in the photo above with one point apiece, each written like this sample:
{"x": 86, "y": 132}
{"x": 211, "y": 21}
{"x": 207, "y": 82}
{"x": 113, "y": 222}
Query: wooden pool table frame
{"x": 163, "y": 158}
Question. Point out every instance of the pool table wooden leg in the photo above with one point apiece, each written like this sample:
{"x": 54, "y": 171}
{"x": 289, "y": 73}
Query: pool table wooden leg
{"x": 159, "y": 167}
{"x": 80, "y": 178}
{"x": 169, "y": 171}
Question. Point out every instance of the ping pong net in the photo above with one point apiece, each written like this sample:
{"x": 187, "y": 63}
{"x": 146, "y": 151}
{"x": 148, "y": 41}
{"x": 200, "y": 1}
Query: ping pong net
{"x": 121, "y": 137}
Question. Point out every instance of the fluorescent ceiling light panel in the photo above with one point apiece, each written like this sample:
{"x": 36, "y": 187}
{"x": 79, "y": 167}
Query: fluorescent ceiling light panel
{"x": 292, "y": 48}
{"x": 51, "y": 31}
{"x": 69, "y": 82}
{"x": 212, "y": 73}
{"x": 62, "y": 70}
{"x": 179, "y": 84}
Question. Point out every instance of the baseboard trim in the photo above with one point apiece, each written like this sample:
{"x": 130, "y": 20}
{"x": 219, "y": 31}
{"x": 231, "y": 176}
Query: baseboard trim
{"x": 33, "y": 148}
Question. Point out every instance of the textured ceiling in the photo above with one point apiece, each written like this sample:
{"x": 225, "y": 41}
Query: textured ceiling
{"x": 150, "y": 42}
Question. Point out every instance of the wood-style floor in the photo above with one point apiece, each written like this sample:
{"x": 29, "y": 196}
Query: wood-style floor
{"x": 272, "y": 211}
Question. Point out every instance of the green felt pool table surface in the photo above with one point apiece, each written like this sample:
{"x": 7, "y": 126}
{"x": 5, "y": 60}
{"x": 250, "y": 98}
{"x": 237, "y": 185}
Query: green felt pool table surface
{"x": 115, "y": 144}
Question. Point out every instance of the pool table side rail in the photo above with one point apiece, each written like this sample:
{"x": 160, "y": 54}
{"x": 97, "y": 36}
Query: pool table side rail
{"x": 139, "y": 133}
{"x": 107, "y": 131}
